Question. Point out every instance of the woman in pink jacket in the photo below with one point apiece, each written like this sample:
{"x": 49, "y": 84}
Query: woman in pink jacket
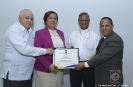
{"x": 48, "y": 37}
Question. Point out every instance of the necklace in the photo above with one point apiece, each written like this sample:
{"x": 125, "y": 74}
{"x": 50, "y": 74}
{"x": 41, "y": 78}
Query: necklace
{"x": 84, "y": 36}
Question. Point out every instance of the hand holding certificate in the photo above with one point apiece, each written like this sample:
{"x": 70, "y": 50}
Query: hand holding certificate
{"x": 53, "y": 68}
{"x": 65, "y": 58}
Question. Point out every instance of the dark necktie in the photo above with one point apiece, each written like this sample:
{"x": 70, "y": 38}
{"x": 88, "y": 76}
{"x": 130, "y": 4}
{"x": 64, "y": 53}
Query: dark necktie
{"x": 99, "y": 45}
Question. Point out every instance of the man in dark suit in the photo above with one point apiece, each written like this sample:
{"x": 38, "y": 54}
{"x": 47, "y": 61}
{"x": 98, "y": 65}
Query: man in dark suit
{"x": 107, "y": 62}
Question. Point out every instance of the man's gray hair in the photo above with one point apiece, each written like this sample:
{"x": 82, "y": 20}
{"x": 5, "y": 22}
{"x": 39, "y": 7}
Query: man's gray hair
{"x": 22, "y": 11}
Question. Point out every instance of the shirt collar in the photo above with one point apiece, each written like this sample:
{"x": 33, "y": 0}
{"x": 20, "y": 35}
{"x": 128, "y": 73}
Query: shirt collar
{"x": 24, "y": 29}
{"x": 104, "y": 37}
{"x": 81, "y": 30}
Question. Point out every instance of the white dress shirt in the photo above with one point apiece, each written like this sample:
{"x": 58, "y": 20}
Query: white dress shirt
{"x": 86, "y": 40}
{"x": 19, "y": 53}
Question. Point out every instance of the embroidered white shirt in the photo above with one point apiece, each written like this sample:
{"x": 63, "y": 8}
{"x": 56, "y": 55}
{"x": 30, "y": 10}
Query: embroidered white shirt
{"x": 86, "y": 40}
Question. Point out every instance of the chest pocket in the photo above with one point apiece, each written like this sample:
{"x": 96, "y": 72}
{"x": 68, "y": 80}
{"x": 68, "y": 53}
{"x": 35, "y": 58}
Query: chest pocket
{"x": 89, "y": 45}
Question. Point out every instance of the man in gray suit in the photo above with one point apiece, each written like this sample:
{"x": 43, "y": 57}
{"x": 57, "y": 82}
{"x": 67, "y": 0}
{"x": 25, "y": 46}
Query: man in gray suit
{"x": 107, "y": 62}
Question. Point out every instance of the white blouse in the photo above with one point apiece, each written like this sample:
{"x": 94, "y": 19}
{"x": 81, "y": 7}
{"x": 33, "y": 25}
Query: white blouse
{"x": 56, "y": 39}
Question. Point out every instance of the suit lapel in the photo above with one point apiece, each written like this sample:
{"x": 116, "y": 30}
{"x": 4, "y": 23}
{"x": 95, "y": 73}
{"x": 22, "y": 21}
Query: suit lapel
{"x": 105, "y": 42}
{"x": 48, "y": 37}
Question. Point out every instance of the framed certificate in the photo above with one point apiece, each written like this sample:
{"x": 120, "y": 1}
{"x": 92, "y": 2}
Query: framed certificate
{"x": 66, "y": 58}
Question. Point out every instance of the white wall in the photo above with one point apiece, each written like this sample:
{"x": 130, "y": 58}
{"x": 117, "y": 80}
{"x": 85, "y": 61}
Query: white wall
{"x": 121, "y": 12}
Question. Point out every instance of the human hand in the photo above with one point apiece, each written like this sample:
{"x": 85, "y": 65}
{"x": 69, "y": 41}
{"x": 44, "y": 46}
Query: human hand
{"x": 80, "y": 66}
{"x": 53, "y": 68}
{"x": 49, "y": 51}
{"x": 92, "y": 57}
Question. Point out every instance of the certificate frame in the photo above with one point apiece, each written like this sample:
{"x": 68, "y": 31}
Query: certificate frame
{"x": 66, "y": 58}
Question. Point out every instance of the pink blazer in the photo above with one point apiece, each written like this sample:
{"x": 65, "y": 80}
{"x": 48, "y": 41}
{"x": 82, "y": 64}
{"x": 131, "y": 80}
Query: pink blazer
{"x": 43, "y": 40}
